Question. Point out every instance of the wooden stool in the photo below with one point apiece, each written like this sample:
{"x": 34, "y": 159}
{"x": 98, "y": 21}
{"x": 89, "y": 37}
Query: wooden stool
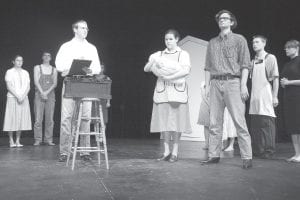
{"x": 98, "y": 132}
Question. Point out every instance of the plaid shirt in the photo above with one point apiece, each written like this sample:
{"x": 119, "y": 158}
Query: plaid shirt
{"x": 227, "y": 54}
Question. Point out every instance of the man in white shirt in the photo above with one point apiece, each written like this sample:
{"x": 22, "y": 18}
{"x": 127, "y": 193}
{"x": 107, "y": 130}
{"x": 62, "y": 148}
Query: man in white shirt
{"x": 77, "y": 48}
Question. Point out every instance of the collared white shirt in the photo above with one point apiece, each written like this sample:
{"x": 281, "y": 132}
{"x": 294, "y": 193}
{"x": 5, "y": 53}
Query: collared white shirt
{"x": 75, "y": 49}
{"x": 177, "y": 49}
{"x": 19, "y": 80}
{"x": 184, "y": 58}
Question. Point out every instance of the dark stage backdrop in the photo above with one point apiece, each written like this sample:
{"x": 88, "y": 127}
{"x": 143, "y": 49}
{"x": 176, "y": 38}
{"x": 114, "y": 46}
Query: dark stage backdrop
{"x": 126, "y": 32}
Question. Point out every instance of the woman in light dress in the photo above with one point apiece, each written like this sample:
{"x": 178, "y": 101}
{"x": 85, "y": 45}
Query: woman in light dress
{"x": 17, "y": 113}
{"x": 170, "y": 114}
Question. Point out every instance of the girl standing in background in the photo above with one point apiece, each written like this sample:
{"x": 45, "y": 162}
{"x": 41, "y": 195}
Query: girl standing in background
{"x": 17, "y": 112}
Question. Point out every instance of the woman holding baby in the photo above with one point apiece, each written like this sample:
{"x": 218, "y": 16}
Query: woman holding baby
{"x": 170, "y": 114}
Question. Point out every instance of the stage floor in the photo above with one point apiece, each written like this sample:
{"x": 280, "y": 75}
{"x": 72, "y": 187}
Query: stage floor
{"x": 34, "y": 173}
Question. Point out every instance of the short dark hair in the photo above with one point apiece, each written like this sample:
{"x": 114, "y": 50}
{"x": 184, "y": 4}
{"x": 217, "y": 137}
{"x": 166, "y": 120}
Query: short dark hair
{"x": 15, "y": 57}
{"x": 173, "y": 32}
{"x": 232, "y": 17}
{"x": 75, "y": 24}
{"x": 44, "y": 52}
{"x": 262, "y": 37}
{"x": 292, "y": 43}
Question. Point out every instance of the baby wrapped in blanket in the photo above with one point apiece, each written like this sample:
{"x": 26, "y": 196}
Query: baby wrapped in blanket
{"x": 163, "y": 67}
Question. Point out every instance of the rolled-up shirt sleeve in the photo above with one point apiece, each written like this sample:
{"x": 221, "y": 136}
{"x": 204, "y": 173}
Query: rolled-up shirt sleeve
{"x": 271, "y": 67}
{"x": 63, "y": 60}
{"x": 244, "y": 54}
{"x": 185, "y": 61}
{"x": 208, "y": 58}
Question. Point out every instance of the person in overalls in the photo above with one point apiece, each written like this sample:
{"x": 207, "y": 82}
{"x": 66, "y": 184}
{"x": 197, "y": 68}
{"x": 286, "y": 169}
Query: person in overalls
{"x": 170, "y": 114}
{"x": 45, "y": 81}
{"x": 265, "y": 84}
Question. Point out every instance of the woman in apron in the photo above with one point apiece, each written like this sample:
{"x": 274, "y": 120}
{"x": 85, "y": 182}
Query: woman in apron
{"x": 170, "y": 114}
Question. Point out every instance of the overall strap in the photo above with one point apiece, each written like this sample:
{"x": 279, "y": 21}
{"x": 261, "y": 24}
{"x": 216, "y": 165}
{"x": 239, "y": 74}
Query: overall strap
{"x": 41, "y": 72}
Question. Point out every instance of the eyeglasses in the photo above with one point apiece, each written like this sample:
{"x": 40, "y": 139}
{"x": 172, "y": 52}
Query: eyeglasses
{"x": 86, "y": 28}
{"x": 224, "y": 18}
{"x": 289, "y": 47}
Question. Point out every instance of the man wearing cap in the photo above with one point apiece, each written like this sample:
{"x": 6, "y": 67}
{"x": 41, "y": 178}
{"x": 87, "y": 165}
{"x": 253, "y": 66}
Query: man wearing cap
{"x": 226, "y": 72}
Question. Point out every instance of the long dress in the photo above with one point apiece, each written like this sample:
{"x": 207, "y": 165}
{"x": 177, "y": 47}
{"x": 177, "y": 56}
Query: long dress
{"x": 291, "y": 97}
{"x": 17, "y": 115}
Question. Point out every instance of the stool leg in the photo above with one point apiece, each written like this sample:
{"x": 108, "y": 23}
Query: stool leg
{"x": 98, "y": 142}
{"x": 77, "y": 135}
{"x": 96, "y": 129}
{"x": 103, "y": 135}
{"x": 105, "y": 149}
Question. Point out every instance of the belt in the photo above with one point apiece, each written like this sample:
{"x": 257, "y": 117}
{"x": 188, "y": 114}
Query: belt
{"x": 224, "y": 77}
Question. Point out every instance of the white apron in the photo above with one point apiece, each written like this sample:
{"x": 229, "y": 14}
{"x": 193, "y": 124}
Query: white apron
{"x": 171, "y": 91}
{"x": 166, "y": 91}
{"x": 261, "y": 102}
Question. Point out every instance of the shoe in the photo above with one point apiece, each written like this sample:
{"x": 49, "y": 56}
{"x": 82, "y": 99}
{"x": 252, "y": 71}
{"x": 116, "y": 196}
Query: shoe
{"x": 86, "y": 157}
{"x": 62, "y": 158}
{"x": 267, "y": 156}
{"x": 37, "y": 143}
{"x": 205, "y": 148}
{"x": 295, "y": 161}
{"x": 164, "y": 158}
{"x": 290, "y": 159}
{"x": 50, "y": 143}
{"x": 212, "y": 160}
{"x": 11, "y": 145}
{"x": 173, "y": 158}
{"x": 257, "y": 155}
{"x": 229, "y": 148}
{"x": 247, "y": 163}
{"x": 19, "y": 145}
